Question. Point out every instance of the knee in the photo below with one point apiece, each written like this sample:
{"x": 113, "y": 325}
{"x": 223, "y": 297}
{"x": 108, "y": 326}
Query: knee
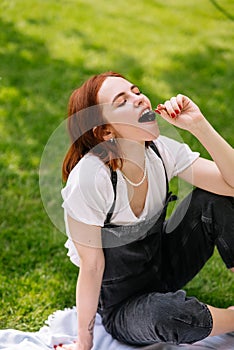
{"x": 179, "y": 319}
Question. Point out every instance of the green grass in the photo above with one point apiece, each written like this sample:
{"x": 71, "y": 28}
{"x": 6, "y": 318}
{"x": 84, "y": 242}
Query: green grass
{"x": 47, "y": 48}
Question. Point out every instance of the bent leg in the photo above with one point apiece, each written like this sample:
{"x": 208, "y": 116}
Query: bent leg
{"x": 201, "y": 222}
{"x": 157, "y": 317}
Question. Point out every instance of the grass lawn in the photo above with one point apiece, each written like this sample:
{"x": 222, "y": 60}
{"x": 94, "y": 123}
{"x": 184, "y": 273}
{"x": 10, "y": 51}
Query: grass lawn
{"x": 48, "y": 48}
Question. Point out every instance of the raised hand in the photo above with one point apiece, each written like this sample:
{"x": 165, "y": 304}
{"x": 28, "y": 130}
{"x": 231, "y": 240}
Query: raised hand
{"x": 181, "y": 111}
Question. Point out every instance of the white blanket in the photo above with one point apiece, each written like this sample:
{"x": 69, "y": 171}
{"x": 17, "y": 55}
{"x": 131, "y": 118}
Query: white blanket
{"x": 61, "y": 327}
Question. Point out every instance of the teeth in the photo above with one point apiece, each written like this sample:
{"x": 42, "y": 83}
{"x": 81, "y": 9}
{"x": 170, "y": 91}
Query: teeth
{"x": 145, "y": 111}
{"x": 147, "y": 116}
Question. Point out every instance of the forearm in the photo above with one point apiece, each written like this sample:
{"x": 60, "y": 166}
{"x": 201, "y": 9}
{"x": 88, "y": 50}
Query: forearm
{"x": 221, "y": 152}
{"x": 87, "y": 294}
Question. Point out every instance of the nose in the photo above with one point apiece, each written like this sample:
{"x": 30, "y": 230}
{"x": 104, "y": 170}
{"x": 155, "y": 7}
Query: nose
{"x": 138, "y": 100}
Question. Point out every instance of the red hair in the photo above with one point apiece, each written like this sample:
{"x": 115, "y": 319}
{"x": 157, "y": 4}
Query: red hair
{"x": 84, "y": 114}
{"x": 81, "y": 121}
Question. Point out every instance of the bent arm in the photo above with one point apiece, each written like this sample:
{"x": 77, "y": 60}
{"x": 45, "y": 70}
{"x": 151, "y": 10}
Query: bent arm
{"x": 221, "y": 152}
{"x": 89, "y": 281}
{"x": 216, "y": 176}
{"x": 205, "y": 174}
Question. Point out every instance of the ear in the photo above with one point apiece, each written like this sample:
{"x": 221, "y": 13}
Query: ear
{"x": 108, "y": 135}
{"x": 107, "y": 132}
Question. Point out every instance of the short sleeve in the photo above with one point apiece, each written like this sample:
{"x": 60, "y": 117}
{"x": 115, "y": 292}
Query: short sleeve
{"x": 88, "y": 194}
{"x": 176, "y": 156}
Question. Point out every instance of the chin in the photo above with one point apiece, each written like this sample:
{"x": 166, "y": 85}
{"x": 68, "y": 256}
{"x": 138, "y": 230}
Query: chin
{"x": 152, "y": 134}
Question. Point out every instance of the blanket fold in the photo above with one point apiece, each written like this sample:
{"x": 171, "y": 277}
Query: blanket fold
{"x": 60, "y": 328}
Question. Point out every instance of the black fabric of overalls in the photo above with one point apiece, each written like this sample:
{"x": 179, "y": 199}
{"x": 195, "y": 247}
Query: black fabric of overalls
{"x": 145, "y": 267}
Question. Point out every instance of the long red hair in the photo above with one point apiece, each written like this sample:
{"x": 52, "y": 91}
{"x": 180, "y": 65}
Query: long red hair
{"x": 81, "y": 121}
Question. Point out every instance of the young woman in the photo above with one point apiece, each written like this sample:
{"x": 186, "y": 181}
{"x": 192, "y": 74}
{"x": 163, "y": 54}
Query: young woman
{"x": 133, "y": 263}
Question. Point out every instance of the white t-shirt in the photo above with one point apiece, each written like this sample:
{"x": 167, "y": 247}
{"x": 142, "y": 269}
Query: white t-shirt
{"x": 88, "y": 194}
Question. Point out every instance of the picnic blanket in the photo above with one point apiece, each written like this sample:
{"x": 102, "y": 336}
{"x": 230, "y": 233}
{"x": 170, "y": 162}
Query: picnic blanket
{"x": 61, "y": 328}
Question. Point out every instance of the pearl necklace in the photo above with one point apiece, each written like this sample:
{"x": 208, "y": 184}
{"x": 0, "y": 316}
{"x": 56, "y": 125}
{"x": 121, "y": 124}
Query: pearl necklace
{"x": 139, "y": 183}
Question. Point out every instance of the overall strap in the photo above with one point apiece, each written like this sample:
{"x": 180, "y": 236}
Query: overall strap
{"x": 114, "y": 184}
{"x": 155, "y": 149}
{"x": 169, "y": 196}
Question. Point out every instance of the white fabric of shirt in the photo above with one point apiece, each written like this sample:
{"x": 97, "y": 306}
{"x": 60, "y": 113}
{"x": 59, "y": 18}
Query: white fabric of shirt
{"x": 88, "y": 194}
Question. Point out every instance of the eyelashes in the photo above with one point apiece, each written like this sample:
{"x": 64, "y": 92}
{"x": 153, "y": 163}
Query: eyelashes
{"x": 125, "y": 100}
{"x": 122, "y": 103}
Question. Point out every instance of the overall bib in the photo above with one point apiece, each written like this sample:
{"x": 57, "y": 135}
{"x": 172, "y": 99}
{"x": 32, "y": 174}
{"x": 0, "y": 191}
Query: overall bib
{"x": 141, "y": 301}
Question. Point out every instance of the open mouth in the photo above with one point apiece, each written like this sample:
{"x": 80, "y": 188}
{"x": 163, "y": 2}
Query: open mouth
{"x": 147, "y": 116}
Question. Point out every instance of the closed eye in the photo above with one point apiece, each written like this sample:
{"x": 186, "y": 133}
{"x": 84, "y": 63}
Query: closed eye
{"x": 122, "y": 103}
{"x": 120, "y": 99}
{"x": 136, "y": 90}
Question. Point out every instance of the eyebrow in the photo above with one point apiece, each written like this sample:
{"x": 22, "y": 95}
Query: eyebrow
{"x": 123, "y": 93}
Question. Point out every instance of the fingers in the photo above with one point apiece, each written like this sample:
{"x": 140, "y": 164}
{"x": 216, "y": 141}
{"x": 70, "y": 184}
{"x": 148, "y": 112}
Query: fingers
{"x": 64, "y": 347}
{"x": 172, "y": 107}
{"x": 70, "y": 346}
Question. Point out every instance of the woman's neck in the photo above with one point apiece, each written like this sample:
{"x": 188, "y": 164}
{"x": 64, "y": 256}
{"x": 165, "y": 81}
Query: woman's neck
{"x": 133, "y": 157}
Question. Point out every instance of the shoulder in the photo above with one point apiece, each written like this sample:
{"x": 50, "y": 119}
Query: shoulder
{"x": 173, "y": 148}
{"x": 165, "y": 143}
{"x": 89, "y": 180}
{"x": 167, "y": 148}
{"x": 90, "y": 170}
{"x": 176, "y": 155}
{"x": 88, "y": 193}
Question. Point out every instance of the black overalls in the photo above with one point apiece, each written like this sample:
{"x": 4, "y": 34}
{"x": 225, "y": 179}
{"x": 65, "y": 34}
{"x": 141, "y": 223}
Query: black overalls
{"x": 145, "y": 268}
